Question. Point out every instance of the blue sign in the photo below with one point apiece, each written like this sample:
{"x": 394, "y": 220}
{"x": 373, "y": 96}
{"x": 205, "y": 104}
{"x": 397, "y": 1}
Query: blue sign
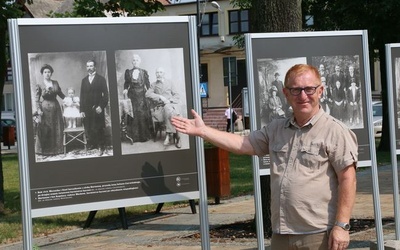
{"x": 203, "y": 89}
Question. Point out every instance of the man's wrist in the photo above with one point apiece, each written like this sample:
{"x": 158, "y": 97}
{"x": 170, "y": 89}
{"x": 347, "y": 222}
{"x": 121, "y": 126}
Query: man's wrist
{"x": 344, "y": 225}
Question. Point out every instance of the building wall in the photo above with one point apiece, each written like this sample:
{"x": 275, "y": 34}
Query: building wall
{"x": 212, "y": 49}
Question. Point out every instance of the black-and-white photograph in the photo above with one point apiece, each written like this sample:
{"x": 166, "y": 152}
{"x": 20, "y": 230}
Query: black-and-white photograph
{"x": 151, "y": 90}
{"x": 341, "y": 98}
{"x": 70, "y": 105}
{"x": 271, "y": 74}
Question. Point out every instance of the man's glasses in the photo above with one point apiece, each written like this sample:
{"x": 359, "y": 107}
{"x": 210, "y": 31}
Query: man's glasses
{"x": 307, "y": 90}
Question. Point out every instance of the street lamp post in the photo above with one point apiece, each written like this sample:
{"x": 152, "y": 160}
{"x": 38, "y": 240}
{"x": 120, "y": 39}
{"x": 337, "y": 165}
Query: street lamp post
{"x": 205, "y": 233}
{"x": 199, "y": 15}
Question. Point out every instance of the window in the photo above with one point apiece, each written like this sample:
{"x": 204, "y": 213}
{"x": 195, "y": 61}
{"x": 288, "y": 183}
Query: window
{"x": 8, "y": 102}
{"x": 204, "y": 72}
{"x": 209, "y": 24}
{"x": 238, "y": 21}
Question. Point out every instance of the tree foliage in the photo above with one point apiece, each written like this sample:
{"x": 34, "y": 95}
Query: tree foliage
{"x": 115, "y": 8}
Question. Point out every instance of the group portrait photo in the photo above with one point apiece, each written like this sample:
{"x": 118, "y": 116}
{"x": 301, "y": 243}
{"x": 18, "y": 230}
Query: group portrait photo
{"x": 340, "y": 77}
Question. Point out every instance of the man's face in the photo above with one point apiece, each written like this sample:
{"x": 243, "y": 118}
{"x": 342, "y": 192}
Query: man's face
{"x": 323, "y": 81}
{"x": 304, "y": 106}
{"x": 160, "y": 74}
{"x": 90, "y": 67}
{"x": 337, "y": 70}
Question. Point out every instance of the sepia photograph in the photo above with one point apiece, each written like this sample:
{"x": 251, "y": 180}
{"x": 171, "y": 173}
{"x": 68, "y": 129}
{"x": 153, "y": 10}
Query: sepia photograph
{"x": 70, "y": 105}
{"x": 151, "y": 90}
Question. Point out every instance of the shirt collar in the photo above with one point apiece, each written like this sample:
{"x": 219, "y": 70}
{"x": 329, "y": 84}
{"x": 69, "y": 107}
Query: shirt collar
{"x": 291, "y": 122}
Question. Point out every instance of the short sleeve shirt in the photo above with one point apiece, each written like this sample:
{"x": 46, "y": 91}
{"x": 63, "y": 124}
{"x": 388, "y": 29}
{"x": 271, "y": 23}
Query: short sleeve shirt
{"x": 304, "y": 166}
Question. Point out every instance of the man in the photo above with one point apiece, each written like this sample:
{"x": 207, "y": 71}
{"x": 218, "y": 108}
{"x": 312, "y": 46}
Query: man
{"x": 94, "y": 99}
{"x": 163, "y": 92}
{"x": 313, "y": 162}
{"x": 325, "y": 100}
{"x": 279, "y": 86}
{"x": 231, "y": 117}
{"x": 322, "y": 71}
{"x": 352, "y": 77}
{"x": 337, "y": 76}
{"x": 353, "y": 99}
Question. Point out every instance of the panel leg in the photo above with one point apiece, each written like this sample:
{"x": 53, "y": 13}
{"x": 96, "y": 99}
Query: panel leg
{"x": 90, "y": 219}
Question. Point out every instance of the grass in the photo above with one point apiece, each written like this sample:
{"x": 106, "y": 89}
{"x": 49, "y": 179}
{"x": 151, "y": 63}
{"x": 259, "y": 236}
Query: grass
{"x": 241, "y": 178}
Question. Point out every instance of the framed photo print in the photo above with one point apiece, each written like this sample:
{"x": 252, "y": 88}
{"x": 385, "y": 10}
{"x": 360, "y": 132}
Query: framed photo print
{"x": 393, "y": 80}
{"x": 94, "y": 101}
{"x": 341, "y": 58}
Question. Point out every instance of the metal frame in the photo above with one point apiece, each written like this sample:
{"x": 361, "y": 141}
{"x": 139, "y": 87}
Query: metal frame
{"x": 249, "y": 48}
{"x": 14, "y": 25}
{"x": 392, "y": 129}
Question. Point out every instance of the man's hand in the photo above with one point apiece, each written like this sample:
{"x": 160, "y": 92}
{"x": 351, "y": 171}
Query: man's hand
{"x": 338, "y": 239}
{"x": 189, "y": 126}
{"x": 83, "y": 114}
{"x": 98, "y": 110}
{"x": 164, "y": 99}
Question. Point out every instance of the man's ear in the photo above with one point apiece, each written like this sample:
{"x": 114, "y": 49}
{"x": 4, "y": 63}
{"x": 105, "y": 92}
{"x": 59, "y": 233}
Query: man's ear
{"x": 320, "y": 91}
{"x": 285, "y": 92}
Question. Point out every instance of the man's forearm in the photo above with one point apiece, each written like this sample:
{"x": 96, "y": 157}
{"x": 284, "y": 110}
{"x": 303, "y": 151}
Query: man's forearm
{"x": 347, "y": 194}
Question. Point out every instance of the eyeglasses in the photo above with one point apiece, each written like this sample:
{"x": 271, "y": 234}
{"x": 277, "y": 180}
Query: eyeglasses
{"x": 307, "y": 90}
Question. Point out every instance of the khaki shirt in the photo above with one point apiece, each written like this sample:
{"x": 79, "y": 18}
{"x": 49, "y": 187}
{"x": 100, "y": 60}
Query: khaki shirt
{"x": 304, "y": 166}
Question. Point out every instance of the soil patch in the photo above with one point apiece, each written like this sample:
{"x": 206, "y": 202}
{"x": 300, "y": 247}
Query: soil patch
{"x": 246, "y": 229}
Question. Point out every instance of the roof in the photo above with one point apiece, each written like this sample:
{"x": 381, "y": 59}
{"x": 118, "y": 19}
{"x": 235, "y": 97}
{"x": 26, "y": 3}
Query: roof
{"x": 41, "y": 8}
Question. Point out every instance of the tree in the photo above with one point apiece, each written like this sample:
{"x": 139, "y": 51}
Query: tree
{"x": 271, "y": 16}
{"x": 8, "y": 9}
{"x": 380, "y": 18}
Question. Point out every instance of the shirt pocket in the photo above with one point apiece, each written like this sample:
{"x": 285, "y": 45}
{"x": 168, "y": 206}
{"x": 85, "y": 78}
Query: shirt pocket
{"x": 310, "y": 156}
{"x": 279, "y": 154}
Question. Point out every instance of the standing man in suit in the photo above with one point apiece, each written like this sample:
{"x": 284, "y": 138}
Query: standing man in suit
{"x": 279, "y": 91}
{"x": 94, "y": 100}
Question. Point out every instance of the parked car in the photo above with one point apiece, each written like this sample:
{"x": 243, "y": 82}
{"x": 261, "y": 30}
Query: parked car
{"x": 377, "y": 118}
{"x": 7, "y": 120}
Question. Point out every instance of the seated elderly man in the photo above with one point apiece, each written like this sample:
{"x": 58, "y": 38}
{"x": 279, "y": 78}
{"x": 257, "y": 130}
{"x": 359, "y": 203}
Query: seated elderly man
{"x": 162, "y": 91}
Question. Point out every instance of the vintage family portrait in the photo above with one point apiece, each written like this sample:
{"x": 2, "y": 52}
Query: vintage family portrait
{"x": 151, "y": 90}
{"x": 70, "y": 105}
